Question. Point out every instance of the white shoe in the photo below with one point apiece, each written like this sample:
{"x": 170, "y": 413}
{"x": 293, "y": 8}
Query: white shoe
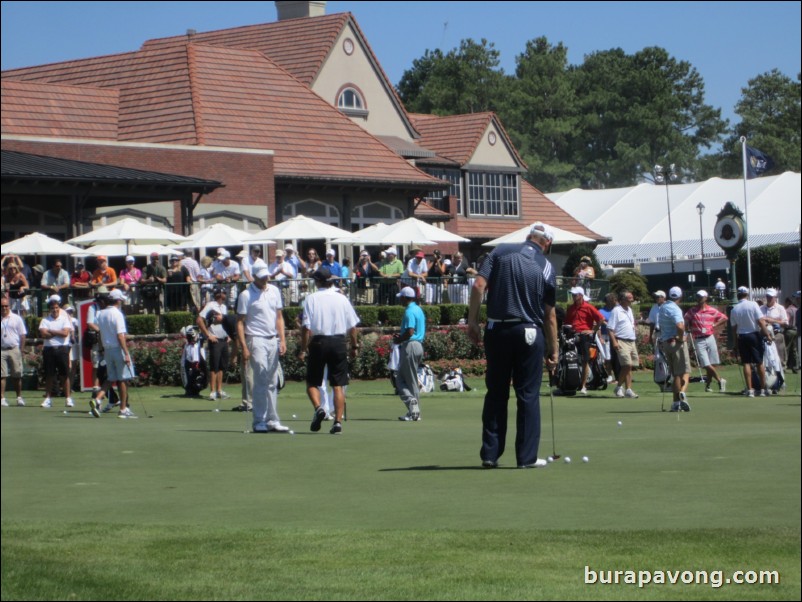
{"x": 619, "y": 391}
{"x": 20, "y": 402}
{"x": 277, "y": 427}
{"x": 69, "y": 403}
{"x": 47, "y": 403}
{"x": 126, "y": 413}
{"x": 539, "y": 463}
{"x": 631, "y": 394}
{"x": 213, "y": 396}
{"x": 610, "y": 379}
{"x": 722, "y": 385}
{"x": 583, "y": 391}
{"x": 222, "y": 395}
{"x": 3, "y": 402}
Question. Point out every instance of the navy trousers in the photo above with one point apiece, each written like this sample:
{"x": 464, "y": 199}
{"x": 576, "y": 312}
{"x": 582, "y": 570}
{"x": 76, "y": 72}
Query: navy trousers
{"x": 512, "y": 354}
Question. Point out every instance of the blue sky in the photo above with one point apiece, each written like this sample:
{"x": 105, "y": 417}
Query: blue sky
{"x": 727, "y": 42}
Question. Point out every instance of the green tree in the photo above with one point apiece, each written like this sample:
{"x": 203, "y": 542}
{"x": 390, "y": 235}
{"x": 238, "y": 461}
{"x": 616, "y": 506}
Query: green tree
{"x": 765, "y": 267}
{"x": 632, "y": 281}
{"x": 771, "y": 119}
{"x": 576, "y": 254}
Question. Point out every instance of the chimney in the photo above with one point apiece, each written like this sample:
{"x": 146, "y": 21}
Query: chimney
{"x": 299, "y": 10}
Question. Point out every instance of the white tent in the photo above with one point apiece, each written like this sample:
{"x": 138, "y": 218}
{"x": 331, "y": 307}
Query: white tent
{"x": 38, "y": 244}
{"x": 561, "y": 237}
{"x": 636, "y": 218}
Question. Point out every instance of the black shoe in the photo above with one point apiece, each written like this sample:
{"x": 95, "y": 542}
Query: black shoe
{"x": 337, "y": 429}
{"x": 489, "y": 464}
{"x": 317, "y": 419}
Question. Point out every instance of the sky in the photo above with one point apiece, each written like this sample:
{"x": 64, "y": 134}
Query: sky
{"x": 727, "y": 42}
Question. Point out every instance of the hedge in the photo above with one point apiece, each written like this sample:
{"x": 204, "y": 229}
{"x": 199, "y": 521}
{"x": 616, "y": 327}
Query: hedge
{"x": 142, "y": 324}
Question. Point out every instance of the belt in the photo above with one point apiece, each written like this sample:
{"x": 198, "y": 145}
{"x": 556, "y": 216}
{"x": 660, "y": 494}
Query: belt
{"x": 704, "y": 336}
{"x": 627, "y": 340}
{"x": 9, "y": 348}
{"x": 328, "y": 336}
{"x": 262, "y": 336}
{"x": 507, "y": 321}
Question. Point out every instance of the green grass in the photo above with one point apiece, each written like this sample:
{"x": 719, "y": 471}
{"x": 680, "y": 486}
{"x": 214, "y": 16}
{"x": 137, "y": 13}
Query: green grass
{"x": 187, "y": 506}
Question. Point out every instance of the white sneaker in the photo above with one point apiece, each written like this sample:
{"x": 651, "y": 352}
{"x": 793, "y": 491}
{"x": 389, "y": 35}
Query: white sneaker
{"x": 722, "y": 385}
{"x": 213, "y": 396}
{"x": 126, "y": 413}
{"x": 3, "y": 402}
{"x": 610, "y": 379}
{"x": 583, "y": 391}
{"x": 222, "y": 395}
{"x": 539, "y": 463}
{"x": 631, "y": 394}
{"x": 414, "y": 410}
{"x": 277, "y": 427}
{"x": 69, "y": 403}
{"x": 749, "y": 392}
{"x": 619, "y": 391}
{"x": 47, "y": 403}
{"x": 20, "y": 402}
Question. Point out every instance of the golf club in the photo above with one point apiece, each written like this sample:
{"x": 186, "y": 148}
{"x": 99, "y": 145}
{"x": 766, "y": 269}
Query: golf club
{"x": 554, "y": 455}
{"x": 139, "y": 400}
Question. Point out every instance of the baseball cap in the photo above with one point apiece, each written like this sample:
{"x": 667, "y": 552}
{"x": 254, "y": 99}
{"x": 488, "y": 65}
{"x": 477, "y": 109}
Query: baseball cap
{"x": 289, "y": 247}
{"x": 541, "y": 229}
{"x": 702, "y": 294}
{"x": 259, "y": 269}
{"x": 447, "y": 262}
{"x": 743, "y": 289}
{"x": 585, "y": 258}
{"x": 322, "y": 273}
{"x": 79, "y": 265}
{"x": 391, "y": 251}
{"x": 102, "y": 258}
{"x": 242, "y": 254}
{"x": 364, "y": 254}
{"x": 53, "y": 299}
{"x": 224, "y": 255}
{"x": 675, "y": 292}
{"x": 117, "y": 295}
{"x": 102, "y": 290}
{"x": 69, "y": 309}
{"x": 330, "y": 252}
{"x": 578, "y": 290}
{"x": 771, "y": 292}
{"x": 408, "y": 292}
{"x": 154, "y": 254}
{"x": 129, "y": 258}
{"x": 659, "y": 294}
{"x": 279, "y": 253}
{"x": 420, "y": 255}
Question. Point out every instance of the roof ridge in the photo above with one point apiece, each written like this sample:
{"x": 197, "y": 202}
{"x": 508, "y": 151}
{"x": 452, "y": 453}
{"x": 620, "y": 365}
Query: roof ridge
{"x": 194, "y": 95}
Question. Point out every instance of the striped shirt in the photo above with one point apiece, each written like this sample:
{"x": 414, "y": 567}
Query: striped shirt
{"x": 700, "y": 320}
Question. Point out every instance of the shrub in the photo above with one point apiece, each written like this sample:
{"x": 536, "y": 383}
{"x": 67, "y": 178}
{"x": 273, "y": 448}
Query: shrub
{"x": 158, "y": 362}
{"x": 432, "y": 313}
{"x": 391, "y": 315}
{"x": 452, "y": 313}
{"x": 368, "y": 315}
{"x": 174, "y": 321}
{"x": 291, "y": 317}
{"x": 142, "y": 324}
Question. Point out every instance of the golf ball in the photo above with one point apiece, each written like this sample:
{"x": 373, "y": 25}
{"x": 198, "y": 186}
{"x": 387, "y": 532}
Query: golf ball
{"x": 66, "y": 412}
{"x": 550, "y": 458}
{"x": 294, "y": 416}
{"x": 620, "y": 423}
{"x": 292, "y": 432}
{"x": 567, "y": 459}
{"x": 585, "y": 459}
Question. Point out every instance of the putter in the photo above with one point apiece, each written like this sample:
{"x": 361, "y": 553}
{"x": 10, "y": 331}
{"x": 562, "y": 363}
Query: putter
{"x": 554, "y": 455}
{"x": 138, "y": 399}
{"x": 702, "y": 379}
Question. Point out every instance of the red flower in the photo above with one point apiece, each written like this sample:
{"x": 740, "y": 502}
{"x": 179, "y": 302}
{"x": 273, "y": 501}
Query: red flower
{"x": 162, "y": 350}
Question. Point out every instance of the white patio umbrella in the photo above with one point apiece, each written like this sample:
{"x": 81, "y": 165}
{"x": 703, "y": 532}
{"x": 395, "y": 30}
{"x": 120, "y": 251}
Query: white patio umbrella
{"x": 129, "y": 232}
{"x": 220, "y": 235}
{"x": 560, "y": 237}
{"x": 297, "y": 228}
{"x": 38, "y": 244}
{"x": 361, "y": 236}
{"x": 410, "y": 231}
{"x": 121, "y": 250}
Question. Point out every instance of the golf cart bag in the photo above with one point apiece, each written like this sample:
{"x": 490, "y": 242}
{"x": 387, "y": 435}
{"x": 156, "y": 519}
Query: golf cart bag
{"x": 425, "y": 379}
{"x": 568, "y": 378}
{"x": 662, "y": 375}
{"x": 453, "y": 380}
{"x": 775, "y": 378}
{"x": 597, "y": 375}
{"x": 194, "y": 370}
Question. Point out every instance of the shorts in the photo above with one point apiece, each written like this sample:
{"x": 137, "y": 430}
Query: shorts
{"x": 628, "y": 353}
{"x": 583, "y": 343}
{"x": 56, "y": 360}
{"x": 677, "y": 357}
{"x": 12, "y": 363}
{"x": 751, "y": 348}
{"x": 330, "y": 351}
{"x": 116, "y": 368}
{"x": 218, "y": 355}
{"x": 707, "y": 351}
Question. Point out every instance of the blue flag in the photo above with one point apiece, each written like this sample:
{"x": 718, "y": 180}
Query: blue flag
{"x": 757, "y": 163}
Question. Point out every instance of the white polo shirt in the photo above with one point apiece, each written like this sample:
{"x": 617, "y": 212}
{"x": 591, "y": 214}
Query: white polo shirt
{"x": 60, "y": 322}
{"x": 215, "y": 329}
{"x": 111, "y": 322}
{"x": 622, "y": 323}
{"x": 328, "y": 312}
{"x": 745, "y": 316}
{"x": 13, "y": 331}
{"x": 260, "y": 308}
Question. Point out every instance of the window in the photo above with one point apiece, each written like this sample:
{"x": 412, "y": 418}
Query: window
{"x": 454, "y": 178}
{"x": 322, "y": 212}
{"x": 350, "y": 102}
{"x": 373, "y": 213}
{"x": 493, "y": 194}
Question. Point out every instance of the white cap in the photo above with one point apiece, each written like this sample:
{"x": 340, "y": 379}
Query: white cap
{"x": 578, "y": 290}
{"x": 408, "y": 292}
{"x": 446, "y": 262}
{"x": 675, "y": 292}
{"x": 289, "y": 247}
{"x": 129, "y": 258}
{"x": 330, "y": 252}
{"x": 743, "y": 289}
{"x": 543, "y": 230}
{"x": 659, "y": 294}
{"x": 279, "y": 253}
{"x": 702, "y": 294}
{"x": 771, "y": 292}
{"x": 223, "y": 255}
{"x": 391, "y": 251}
{"x": 364, "y": 254}
{"x": 54, "y": 299}
{"x": 69, "y": 309}
{"x": 116, "y": 295}
{"x": 242, "y": 254}
{"x": 259, "y": 269}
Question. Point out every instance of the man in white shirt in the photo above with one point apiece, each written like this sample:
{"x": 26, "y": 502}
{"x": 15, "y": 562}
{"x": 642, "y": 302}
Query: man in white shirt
{"x": 777, "y": 319}
{"x": 210, "y": 322}
{"x": 194, "y": 269}
{"x": 56, "y": 328}
{"x": 119, "y": 367}
{"x": 248, "y": 260}
{"x": 260, "y": 330}
{"x": 749, "y": 326}
{"x": 226, "y": 274}
{"x": 327, "y": 318}
{"x": 623, "y": 341}
{"x": 14, "y": 333}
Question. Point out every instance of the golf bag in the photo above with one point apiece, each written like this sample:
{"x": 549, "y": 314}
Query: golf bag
{"x": 425, "y": 379}
{"x": 775, "y": 378}
{"x": 662, "y": 375}
{"x": 194, "y": 370}
{"x": 453, "y": 380}
{"x": 597, "y": 375}
{"x": 568, "y": 378}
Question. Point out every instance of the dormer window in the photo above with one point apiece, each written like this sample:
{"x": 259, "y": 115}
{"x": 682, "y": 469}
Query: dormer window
{"x": 350, "y": 102}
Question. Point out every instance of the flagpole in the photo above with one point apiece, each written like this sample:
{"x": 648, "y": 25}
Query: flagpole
{"x": 746, "y": 217}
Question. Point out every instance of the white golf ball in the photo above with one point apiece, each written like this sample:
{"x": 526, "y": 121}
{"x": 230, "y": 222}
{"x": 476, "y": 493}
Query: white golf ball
{"x": 292, "y": 432}
{"x": 585, "y": 459}
{"x": 567, "y": 459}
{"x": 66, "y": 412}
{"x": 620, "y": 423}
{"x": 294, "y": 416}
{"x": 550, "y": 459}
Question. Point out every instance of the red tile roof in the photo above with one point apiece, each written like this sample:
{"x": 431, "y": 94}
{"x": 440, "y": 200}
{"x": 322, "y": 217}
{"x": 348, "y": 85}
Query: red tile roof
{"x": 209, "y": 95}
{"x": 536, "y": 207}
{"x": 427, "y": 212}
{"x": 33, "y": 109}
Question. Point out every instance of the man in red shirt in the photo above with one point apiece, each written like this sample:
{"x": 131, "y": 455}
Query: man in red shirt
{"x": 704, "y": 321}
{"x": 79, "y": 282}
{"x": 586, "y": 320}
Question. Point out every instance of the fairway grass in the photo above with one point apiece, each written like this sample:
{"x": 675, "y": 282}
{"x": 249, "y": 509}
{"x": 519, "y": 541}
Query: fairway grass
{"x": 187, "y": 506}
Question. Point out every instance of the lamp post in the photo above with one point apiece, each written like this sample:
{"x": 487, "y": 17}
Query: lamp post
{"x": 664, "y": 175}
{"x": 701, "y": 209}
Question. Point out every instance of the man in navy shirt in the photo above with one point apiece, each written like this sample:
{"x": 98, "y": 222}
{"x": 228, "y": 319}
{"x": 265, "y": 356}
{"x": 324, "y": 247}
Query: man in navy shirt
{"x": 521, "y": 324}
